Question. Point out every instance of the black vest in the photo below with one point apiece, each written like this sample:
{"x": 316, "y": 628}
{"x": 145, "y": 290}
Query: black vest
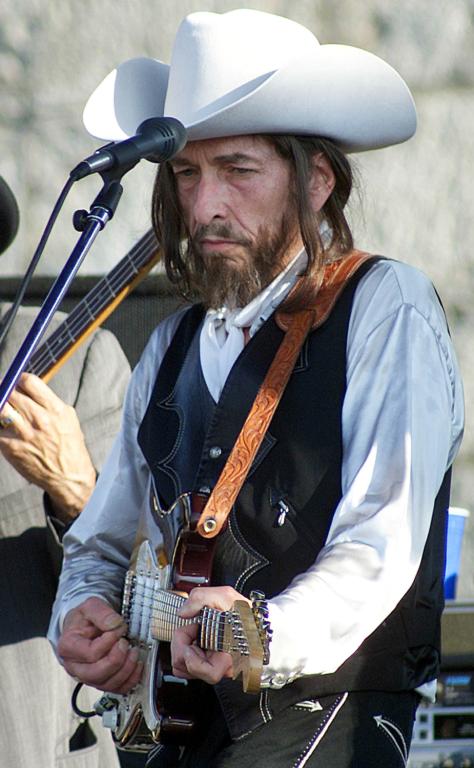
{"x": 285, "y": 508}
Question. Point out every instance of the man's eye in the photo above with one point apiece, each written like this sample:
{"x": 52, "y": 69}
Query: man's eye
{"x": 185, "y": 172}
{"x": 241, "y": 171}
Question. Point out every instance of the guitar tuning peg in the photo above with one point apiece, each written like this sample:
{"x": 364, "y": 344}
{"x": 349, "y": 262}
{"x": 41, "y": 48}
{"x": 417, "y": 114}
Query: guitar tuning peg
{"x": 256, "y": 595}
{"x": 261, "y": 615}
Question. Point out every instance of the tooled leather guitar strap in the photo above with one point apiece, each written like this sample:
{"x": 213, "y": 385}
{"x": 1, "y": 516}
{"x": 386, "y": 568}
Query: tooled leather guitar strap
{"x": 296, "y": 326}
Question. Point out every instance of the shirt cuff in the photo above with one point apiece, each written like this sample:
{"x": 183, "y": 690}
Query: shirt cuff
{"x": 55, "y": 525}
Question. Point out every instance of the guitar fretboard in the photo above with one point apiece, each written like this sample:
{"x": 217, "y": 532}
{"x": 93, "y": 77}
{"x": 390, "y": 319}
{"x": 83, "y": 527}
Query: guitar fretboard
{"x": 152, "y": 614}
{"x": 165, "y": 619}
{"x": 89, "y": 309}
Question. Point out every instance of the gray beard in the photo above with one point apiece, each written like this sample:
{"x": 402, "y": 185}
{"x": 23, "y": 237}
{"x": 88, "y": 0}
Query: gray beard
{"x": 220, "y": 283}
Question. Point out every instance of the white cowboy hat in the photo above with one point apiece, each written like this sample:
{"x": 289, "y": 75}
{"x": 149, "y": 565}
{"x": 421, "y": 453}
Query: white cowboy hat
{"x": 252, "y": 72}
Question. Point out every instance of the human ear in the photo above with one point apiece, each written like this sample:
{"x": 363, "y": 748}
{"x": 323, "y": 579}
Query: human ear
{"x": 322, "y": 180}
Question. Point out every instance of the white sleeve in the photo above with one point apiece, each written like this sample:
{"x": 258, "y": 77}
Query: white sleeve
{"x": 402, "y": 424}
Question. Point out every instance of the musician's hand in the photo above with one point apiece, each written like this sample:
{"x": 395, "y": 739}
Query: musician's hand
{"x": 43, "y": 440}
{"x": 94, "y": 650}
{"x": 189, "y": 661}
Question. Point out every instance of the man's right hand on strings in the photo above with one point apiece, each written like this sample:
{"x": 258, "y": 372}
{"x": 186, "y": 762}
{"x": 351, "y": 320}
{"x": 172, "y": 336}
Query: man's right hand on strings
{"x": 93, "y": 648}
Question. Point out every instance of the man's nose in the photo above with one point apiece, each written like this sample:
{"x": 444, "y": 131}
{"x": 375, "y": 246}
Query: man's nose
{"x": 209, "y": 201}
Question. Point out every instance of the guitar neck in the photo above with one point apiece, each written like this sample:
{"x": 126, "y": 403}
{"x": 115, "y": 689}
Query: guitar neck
{"x": 212, "y": 623}
{"x": 95, "y": 307}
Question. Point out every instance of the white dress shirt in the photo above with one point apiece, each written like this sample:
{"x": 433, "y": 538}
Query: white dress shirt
{"x": 402, "y": 422}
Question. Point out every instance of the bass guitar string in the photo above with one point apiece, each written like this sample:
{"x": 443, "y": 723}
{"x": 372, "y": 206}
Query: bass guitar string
{"x": 87, "y": 310}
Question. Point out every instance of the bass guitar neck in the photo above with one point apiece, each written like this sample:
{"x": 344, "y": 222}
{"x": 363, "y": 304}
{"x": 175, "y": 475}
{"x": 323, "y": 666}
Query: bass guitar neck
{"x": 95, "y": 307}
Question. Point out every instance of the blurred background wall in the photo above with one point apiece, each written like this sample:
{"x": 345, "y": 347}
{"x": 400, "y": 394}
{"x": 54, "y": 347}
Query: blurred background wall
{"x": 416, "y": 202}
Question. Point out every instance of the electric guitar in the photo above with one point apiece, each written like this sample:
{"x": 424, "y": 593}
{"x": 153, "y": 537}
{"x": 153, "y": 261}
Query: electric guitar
{"x": 163, "y": 708}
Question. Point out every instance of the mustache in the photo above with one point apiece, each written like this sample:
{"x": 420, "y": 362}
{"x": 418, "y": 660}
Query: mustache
{"x": 222, "y": 230}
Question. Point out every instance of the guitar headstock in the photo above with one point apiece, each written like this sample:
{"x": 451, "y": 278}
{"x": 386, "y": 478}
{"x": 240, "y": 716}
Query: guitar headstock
{"x": 242, "y": 638}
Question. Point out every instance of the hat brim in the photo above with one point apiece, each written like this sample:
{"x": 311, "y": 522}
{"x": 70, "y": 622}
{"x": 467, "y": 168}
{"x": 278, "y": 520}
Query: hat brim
{"x": 130, "y": 94}
{"x": 338, "y": 92}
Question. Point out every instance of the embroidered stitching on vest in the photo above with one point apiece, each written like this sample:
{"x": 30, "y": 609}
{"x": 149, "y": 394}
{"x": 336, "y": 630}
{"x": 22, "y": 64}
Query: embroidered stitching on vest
{"x": 323, "y": 727}
{"x": 239, "y": 540}
{"x": 264, "y": 708}
{"x": 394, "y": 734}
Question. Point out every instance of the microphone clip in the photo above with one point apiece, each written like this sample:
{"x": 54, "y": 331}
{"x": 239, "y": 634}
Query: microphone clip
{"x": 104, "y": 205}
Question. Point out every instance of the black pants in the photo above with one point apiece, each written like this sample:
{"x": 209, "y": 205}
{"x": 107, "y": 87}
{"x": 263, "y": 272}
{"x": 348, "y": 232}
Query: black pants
{"x": 355, "y": 730}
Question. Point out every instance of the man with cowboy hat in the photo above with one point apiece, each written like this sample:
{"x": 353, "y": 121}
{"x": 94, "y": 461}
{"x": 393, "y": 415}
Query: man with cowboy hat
{"x": 339, "y": 516}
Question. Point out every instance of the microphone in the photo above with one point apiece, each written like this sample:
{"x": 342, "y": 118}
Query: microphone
{"x": 157, "y": 139}
{"x": 9, "y": 216}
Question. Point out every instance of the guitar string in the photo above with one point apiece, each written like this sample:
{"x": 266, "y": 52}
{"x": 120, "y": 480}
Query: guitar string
{"x": 163, "y": 627}
{"x": 157, "y": 609}
{"x": 161, "y": 615}
{"x": 164, "y": 617}
{"x": 128, "y": 267}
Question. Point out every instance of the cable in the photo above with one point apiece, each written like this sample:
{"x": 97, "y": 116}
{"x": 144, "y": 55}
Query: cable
{"x": 9, "y": 316}
{"x": 74, "y": 704}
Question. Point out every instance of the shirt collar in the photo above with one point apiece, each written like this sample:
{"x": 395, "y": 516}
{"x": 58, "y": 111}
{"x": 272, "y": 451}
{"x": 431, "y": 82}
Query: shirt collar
{"x": 257, "y": 311}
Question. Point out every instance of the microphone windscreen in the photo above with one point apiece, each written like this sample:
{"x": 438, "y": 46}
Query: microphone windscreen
{"x": 9, "y": 215}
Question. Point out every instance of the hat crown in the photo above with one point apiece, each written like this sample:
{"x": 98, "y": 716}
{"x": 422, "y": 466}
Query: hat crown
{"x": 250, "y": 72}
{"x": 219, "y": 58}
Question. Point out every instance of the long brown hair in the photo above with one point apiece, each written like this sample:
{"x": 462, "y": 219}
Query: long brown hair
{"x": 171, "y": 233}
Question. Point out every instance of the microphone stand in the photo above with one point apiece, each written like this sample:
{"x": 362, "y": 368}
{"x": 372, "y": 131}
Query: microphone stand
{"x": 90, "y": 224}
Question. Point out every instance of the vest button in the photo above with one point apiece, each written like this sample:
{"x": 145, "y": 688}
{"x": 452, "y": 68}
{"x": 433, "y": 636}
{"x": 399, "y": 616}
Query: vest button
{"x": 215, "y": 452}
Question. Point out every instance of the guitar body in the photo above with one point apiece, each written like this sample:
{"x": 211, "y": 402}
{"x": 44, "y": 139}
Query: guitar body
{"x": 162, "y": 708}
